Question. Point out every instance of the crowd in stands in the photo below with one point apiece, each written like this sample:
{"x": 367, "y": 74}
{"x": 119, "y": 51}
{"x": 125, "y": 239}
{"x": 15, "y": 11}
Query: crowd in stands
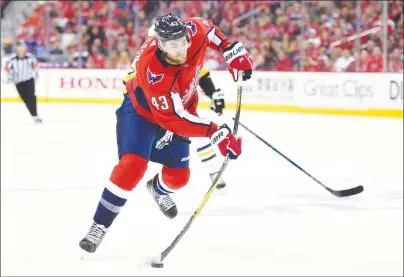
{"x": 280, "y": 35}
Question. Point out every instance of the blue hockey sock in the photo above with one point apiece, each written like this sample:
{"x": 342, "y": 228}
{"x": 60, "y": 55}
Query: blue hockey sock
{"x": 108, "y": 208}
{"x": 159, "y": 188}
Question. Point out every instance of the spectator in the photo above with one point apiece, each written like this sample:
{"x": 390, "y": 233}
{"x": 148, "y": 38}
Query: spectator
{"x": 310, "y": 65}
{"x": 395, "y": 62}
{"x": 56, "y": 49}
{"x": 295, "y": 13}
{"x": 97, "y": 60}
{"x": 129, "y": 28}
{"x": 114, "y": 59}
{"x": 397, "y": 54}
{"x": 362, "y": 66}
{"x": 322, "y": 58}
{"x": 95, "y": 32}
{"x": 375, "y": 63}
{"x": 313, "y": 38}
{"x": 283, "y": 63}
{"x": 70, "y": 63}
{"x": 325, "y": 38}
{"x": 334, "y": 55}
{"x": 342, "y": 62}
{"x": 312, "y": 50}
{"x": 124, "y": 61}
{"x": 119, "y": 48}
{"x": 85, "y": 9}
{"x": 370, "y": 45}
{"x": 97, "y": 45}
{"x": 395, "y": 65}
{"x": 364, "y": 60}
{"x": 259, "y": 60}
{"x": 68, "y": 36}
{"x": 7, "y": 47}
{"x": 132, "y": 53}
{"x": 281, "y": 23}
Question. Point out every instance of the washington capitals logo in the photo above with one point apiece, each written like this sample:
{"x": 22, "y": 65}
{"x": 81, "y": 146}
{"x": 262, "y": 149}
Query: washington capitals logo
{"x": 154, "y": 78}
{"x": 192, "y": 27}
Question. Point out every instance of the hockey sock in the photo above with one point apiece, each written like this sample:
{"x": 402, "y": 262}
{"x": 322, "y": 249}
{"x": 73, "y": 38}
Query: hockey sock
{"x": 171, "y": 180}
{"x": 110, "y": 205}
{"x": 160, "y": 187}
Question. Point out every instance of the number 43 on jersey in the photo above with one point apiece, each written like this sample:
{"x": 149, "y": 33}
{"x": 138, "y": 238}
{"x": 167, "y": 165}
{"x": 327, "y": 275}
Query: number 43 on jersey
{"x": 160, "y": 102}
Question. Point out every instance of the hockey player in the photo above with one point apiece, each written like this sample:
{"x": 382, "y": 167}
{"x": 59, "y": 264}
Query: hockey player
{"x": 161, "y": 98}
{"x": 205, "y": 149}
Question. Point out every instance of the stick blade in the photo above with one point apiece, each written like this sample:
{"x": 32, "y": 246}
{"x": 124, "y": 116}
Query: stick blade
{"x": 149, "y": 261}
{"x": 348, "y": 192}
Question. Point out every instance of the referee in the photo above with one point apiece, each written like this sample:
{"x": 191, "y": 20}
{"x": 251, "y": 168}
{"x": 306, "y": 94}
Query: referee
{"x": 22, "y": 69}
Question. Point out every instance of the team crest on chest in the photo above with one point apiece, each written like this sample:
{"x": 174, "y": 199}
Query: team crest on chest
{"x": 154, "y": 78}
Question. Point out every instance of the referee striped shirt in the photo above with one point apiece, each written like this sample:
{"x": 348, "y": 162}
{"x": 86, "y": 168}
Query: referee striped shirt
{"x": 22, "y": 69}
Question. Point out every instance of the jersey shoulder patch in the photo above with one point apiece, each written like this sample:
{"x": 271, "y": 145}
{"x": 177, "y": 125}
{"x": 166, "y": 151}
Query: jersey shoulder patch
{"x": 199, "y": 23}
{"x": 192, "y": 27}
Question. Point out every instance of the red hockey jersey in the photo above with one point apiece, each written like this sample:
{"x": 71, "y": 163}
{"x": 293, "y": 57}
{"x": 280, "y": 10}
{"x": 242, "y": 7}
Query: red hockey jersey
{"x": 167, "y": 94}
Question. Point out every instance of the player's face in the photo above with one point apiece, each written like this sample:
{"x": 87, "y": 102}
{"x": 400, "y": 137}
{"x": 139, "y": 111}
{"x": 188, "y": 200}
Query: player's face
{"x": 176, "y": 50}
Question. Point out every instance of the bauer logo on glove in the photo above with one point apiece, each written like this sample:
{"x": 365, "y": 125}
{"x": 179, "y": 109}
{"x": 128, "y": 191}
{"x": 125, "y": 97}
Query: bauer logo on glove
{"x": 217, "y": 137}
{"x": 234, "y": 53}
{"x": 238, "y": 58}
{"x": 226, "y": 142}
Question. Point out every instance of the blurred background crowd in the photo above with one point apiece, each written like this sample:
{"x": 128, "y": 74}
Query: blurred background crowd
{"x": 280, "y": 35}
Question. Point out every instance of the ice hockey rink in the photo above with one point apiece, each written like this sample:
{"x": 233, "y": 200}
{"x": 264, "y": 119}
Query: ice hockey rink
{"x": 270, "y": 220}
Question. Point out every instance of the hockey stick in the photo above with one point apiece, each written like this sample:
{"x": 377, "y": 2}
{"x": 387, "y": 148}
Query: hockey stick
{"x": 338, "y": 193}
{"x": 157, "y": 261}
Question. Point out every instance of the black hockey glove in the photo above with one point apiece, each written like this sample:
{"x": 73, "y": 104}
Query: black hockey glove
{"x": 217, "y": 104}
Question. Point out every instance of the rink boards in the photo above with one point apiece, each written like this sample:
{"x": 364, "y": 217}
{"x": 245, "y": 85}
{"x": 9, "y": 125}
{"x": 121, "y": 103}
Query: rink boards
{"x": 367, "y": 94}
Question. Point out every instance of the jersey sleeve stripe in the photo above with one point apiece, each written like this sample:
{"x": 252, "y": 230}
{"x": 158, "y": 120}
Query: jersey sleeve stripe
{"x": 184, "y": 114}
{"x": 212, "y": 37}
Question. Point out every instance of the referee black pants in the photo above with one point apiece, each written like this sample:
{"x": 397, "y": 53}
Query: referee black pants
{"x": 26, "y": 90}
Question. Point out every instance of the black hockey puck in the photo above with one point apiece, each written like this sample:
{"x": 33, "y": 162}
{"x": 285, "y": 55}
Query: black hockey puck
{"x": 157, "y": 265}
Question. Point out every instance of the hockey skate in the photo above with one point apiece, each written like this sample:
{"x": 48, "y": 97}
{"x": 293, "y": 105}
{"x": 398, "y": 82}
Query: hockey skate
{"x": 93, "y": 238}
{"x": 165, "y": 203}
{"x": 221, "y": 184}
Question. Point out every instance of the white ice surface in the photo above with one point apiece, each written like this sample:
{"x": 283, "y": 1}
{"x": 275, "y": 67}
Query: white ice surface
{"x": 270, "y": 220}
